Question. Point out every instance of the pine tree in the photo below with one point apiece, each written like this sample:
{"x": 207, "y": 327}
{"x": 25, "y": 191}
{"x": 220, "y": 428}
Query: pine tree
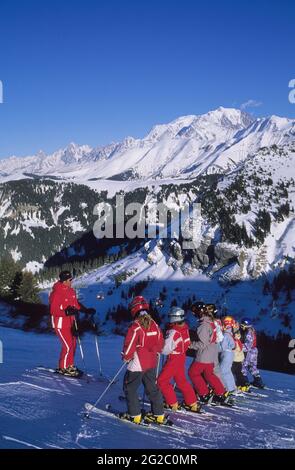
{"x": 27, "y": 289}
{"x": 15, "y": 285}
{"x": 8, "y": 271}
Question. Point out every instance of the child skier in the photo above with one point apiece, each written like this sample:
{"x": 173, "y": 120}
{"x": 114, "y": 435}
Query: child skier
{"x": 64, "y": 306}
{"x": 227, "y": 347}
{"x": 205, "y": 353}
{"x": 176, "y": 344}
{"x": 239, "y": 357}
{"x": 143, "y": 342}
{"x": 251, "y": 353}
{"x": 211, "y": 308}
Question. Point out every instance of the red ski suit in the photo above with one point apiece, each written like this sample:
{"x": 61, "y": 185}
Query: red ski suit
{"x": 60, "y": 298}
{"x": 202, "y": 369}
{"x": 176, "y": 344}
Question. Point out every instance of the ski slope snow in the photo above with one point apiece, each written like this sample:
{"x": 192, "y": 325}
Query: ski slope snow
{"x": 40, "y": 410}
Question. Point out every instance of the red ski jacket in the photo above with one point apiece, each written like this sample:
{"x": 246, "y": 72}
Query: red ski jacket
{"x": 141, "y": 346}
{"x": 60, "y": 298}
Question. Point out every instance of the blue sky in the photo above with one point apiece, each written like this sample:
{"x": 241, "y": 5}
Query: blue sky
{"x": 95, "y": 71}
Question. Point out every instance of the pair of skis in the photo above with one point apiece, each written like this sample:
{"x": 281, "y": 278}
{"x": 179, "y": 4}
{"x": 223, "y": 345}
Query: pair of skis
{"x": 111, "y": 412}
{"x": 83, "y": 376}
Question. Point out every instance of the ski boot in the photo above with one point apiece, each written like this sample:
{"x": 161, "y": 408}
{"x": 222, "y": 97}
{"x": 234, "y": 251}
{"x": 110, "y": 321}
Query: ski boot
{"x": 75, "y": 369}
{"x": 194, "y": 408}
{"x": 257, "y": 382}
{"x": 224, "y": 400}
{"x": 69, "y": 372}
{"x": 235, "y": 393}
{"x": 244, "y": 388}
{"x": 175, "y": 407}
{"x": 162, "y": 420}
{"x": 133, "y": 419}
{"x": 206, "y": 399}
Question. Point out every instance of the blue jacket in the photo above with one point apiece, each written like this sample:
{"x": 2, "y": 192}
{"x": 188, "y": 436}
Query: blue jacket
{"x": 228, "y": 342}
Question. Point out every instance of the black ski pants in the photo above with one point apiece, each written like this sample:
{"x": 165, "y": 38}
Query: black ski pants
{"x": 132, "y": 381}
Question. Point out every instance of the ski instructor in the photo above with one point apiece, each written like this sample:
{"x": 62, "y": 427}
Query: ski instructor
{"x": 64, "y": 307}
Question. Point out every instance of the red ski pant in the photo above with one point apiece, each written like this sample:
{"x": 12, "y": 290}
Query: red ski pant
{"x": 175, "y": 369}
{"x": 68, "y": 347}
{"x": 200, "y": 373}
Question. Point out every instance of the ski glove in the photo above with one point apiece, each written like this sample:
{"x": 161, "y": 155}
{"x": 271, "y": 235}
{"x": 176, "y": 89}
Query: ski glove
{"x": 71, "y": 311}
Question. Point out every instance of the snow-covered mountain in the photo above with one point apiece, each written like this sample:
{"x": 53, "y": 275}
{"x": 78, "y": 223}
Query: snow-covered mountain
{"x": 248, "y": 210}
{"x": 240, "y": 169}
{"x": 184, "y": 148}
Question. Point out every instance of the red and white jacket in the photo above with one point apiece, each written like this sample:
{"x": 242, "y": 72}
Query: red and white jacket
{"x": 177, "y": 340}
{"x": 60, "y": 298}
{"x": 142, "y": 346}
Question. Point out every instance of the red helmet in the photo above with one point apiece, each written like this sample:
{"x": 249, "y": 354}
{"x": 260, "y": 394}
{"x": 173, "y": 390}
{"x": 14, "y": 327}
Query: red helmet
{"x": 228, "y": 322}
{"x": 138, "y": 303}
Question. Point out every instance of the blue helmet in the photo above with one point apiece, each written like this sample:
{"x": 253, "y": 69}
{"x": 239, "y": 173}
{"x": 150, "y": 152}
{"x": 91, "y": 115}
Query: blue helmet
{"x": 246, "y": 322}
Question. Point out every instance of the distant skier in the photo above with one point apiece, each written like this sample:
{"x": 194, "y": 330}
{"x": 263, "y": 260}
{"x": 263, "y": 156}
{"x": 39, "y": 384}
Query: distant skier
{"x": 143, "y": 342}
{"x": 64, "y": 306}
{"x": 176, "y": 344}
{"x": 227, "y": 347}
{"x": 251, "y": 353}
{"x": 239, "y": 357}
{"x": 202, "y": 369}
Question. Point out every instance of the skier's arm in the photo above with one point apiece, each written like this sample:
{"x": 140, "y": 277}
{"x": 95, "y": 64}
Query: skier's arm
{"x": 75, "y": 302}
{"x": 56, "y": 307}
{"x": 130, "y": 343}
{"x": 248, "y": 342}
{"x": 222, "y": 344}
{"x": 161, "y": 341}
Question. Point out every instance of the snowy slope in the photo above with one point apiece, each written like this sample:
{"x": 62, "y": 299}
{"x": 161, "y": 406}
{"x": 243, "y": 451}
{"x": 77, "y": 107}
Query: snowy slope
{"x": 186, "y": 147}
{"x": 42, "y": 410}
{"x": 240, "y": 300}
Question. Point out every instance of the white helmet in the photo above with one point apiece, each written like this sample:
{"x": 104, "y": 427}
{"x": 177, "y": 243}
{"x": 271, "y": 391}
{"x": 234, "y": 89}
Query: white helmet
{"x": 176, "y": 314}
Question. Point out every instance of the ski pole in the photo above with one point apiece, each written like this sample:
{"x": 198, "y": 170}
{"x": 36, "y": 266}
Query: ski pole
{"x": 81, "y": 349}
{"x": 97, "y": 348}
{"x": 158, "y": 365}
{"x": 87, "y": 415}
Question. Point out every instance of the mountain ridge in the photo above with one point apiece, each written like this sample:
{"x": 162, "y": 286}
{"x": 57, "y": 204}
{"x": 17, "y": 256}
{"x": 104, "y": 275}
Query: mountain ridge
{"x": 186, "y": 147}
